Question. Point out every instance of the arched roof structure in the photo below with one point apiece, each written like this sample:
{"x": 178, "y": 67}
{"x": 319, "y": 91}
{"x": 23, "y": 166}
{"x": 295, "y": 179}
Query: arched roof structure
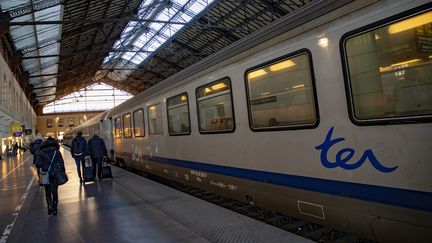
{"x": 58, "y": 47}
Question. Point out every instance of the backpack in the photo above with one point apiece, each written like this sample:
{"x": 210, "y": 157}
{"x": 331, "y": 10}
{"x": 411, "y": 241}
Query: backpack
{"x": 78, "y": 147}
{"x": 34, "y": 146}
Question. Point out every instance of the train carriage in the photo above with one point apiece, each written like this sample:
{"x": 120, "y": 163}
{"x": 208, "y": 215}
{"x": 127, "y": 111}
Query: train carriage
{"x": 323, "y": 115}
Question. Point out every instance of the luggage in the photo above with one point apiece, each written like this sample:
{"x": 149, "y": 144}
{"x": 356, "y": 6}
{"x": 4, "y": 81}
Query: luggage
{"x": 88, "y": 174}
{"x": 106, "y": 170}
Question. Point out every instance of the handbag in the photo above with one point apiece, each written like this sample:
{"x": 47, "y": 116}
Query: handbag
{"x": 44, "y": 175}
{"x": 43, "y": 178}
{"x": 60, "y": 175}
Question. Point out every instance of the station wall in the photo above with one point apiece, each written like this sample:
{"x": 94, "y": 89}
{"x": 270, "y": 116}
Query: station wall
{"x": 55, "y": 125}
{"x": 14, "y": 106}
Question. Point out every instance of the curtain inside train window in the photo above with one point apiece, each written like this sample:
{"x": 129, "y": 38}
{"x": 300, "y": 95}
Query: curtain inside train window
{"x": 118, "y": 128}
{"x": 138, "y": 122}
{"x": 154, "y": 114}
{"x": 281, "y": 94}
{"x": 390, "y": 70}
{"x": 127, "y": 131}
{"x": 215, "y": 110}
{"x": 178, "y": 115}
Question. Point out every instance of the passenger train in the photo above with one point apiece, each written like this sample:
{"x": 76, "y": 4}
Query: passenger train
{"x": 323, "y": 115}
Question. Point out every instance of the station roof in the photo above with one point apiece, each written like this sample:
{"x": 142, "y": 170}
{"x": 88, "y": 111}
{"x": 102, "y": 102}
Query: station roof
{"x": 66, "y": 45}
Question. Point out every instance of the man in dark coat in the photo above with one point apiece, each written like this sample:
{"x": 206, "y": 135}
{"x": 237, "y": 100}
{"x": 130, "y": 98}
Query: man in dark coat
{"x": 47, "y": 157}
{"x": 79, "y": 151}
{"x": 35, "y": 145}
{"x": 97, "y": 151}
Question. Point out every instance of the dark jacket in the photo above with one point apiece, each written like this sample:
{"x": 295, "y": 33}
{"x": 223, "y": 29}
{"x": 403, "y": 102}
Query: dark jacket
{"x": 46, "y": 153}
{"x": 75, "y": 143}
{"x": 35, "y": 145}
{"x": 96, "y": 147}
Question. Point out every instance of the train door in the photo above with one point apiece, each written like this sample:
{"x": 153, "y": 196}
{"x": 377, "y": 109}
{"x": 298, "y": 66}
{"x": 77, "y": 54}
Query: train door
{"x": 107, "y": 127}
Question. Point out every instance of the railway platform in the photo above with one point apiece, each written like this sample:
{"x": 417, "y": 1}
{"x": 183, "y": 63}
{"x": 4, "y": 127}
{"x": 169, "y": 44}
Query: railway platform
{"x": 127, "y": 208}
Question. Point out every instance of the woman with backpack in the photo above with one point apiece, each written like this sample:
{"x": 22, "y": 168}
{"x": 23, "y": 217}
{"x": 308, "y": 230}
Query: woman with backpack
{"x": 48, "y": 157}
{"x": 35, "y": 145}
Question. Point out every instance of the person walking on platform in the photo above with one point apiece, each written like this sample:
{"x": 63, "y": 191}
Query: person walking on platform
{"x": 15, "y": 149}
{"x": 97, "y": 150}
{"x": 48, "y": 156}
{"x": 35, "y": 145}
{"x": 79, "y": 151}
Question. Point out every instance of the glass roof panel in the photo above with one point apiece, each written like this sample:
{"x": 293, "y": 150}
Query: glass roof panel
{"x": 149, "y": 36}
{"x": 36, "y": 40}
{"x": 96, "y": 97}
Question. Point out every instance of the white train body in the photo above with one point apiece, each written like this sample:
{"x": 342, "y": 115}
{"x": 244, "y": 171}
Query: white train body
{"x": 337, "y": 184}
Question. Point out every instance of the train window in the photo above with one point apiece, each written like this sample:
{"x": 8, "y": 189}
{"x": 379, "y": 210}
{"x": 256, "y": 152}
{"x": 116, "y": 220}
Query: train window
{"x": 215, "y": 110}
{"x": 154, "y": 114}
{"x": 118, "y": 131}
{"x": 389, "y": 69}
{"x": 138, "y": 123}
{"x": 281, "y": 94}
{"x": 178, "y": 115}
{"x": 127, "y": 131}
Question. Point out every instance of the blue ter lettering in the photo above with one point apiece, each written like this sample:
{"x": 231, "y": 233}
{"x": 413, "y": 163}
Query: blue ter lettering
{"x": 344, "y": 156}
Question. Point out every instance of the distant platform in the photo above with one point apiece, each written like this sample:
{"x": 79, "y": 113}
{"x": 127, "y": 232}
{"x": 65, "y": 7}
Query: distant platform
{"x": 127, "y": 208}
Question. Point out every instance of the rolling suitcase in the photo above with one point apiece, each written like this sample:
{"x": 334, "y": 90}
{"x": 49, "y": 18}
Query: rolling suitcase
{"x": 88, "y": 170}
{"x": 106, "y": 170}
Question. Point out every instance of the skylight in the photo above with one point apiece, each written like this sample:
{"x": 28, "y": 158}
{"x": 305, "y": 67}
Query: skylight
{"x": 142, "y": 39}
{"x": 96, "y": 97}
{"x": 38, "y": 44}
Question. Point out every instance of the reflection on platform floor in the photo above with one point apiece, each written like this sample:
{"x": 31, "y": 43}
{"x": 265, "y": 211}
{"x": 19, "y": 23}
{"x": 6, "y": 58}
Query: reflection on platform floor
{"x": 128, "y": 208}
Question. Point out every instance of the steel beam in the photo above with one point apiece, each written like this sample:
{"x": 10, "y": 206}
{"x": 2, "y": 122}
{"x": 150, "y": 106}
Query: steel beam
{"x": 40, "y": 45}
{"x": 85, "y": 51}
{"x": 112, "y": 20}
{"x": 42, "y": 75}
{"x": 31, "y": 8}
{"x": 46, "y": 87}
{"x": 45, "y": 95}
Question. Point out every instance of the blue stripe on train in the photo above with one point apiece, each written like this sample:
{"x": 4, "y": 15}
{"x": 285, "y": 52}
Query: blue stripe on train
{"x": 387, "y": 195}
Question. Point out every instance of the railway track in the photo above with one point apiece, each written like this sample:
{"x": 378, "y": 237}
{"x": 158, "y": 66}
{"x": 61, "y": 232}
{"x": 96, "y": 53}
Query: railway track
{"x": 312, "y": 231}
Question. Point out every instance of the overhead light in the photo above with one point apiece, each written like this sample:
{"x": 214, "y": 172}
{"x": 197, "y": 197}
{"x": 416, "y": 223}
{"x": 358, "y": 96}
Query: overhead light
{"x": 207, "y": 90}
{"x": 282, "y": 65}
{"x": 218, "y": 86}
{"x": 398, "y": 65}
{"x": 385, "y": 69}
{"x": 377, "y": 37}
{"x": 298, "y": 86}
{"x": 256, "y": 73}
{"x": 404, "y": 63}
{"x": 323, "y": 42}
{"x": 410, "y": 23}
{"x": 265, "y": 93}
{"x": 183, "y": 98}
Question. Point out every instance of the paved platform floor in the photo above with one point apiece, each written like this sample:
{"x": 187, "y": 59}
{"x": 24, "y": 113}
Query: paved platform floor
{"x": 128, "y": 208}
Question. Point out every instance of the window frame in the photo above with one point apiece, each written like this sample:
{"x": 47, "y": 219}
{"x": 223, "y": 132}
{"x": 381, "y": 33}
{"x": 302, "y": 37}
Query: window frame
{"x": 346, "y": 74}
{"x": 148, "y": 119}
{"x": 313, "y": 85}
{"x": 232, "y": 106}
{"x": 168, "y": 120}
{"x": 123, "y": 124}
{"x": 133, "y": 122}
{"x": 49, "y": 123}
